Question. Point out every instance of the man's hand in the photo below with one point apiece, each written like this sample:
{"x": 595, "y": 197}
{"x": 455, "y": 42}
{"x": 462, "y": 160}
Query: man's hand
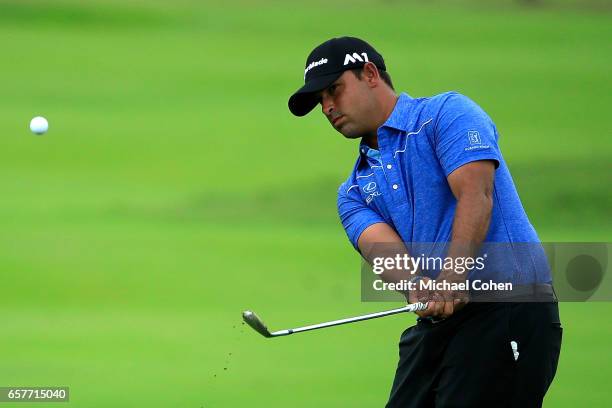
{"x": 441, "y": 304}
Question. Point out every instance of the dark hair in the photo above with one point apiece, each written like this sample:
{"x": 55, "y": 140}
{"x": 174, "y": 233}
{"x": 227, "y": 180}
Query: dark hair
{"x": 383, "y": 74}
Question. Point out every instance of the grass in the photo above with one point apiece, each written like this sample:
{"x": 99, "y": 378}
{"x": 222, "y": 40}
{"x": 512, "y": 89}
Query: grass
{"x": 174, "y": 190}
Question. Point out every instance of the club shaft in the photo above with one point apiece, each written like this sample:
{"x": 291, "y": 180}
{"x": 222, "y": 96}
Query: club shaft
{"x": 414, "y": 307}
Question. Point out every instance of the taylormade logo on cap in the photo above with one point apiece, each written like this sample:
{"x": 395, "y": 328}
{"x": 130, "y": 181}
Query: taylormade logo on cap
{"x": 315, "y": 64}
{"x": 355, "y": 57}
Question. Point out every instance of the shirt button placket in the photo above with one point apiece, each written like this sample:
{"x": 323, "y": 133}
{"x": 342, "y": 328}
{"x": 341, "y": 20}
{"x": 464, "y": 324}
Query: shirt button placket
{"x": 392, "y": 172}
{"x": 393, "y": 178}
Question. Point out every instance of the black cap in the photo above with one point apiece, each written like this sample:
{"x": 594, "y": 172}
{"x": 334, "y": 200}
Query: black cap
{"x": 326, "y": 63}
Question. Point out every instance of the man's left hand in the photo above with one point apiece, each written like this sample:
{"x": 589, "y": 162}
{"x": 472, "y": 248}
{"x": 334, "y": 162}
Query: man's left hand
{"x": 443, "y": 303}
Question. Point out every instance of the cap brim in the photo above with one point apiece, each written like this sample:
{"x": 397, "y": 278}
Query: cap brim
{"x": 305, "y": 98}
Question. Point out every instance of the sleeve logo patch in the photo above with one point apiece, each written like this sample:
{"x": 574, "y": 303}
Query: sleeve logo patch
{"x": 475, "y": 141}
{"x": 474, "y": 137}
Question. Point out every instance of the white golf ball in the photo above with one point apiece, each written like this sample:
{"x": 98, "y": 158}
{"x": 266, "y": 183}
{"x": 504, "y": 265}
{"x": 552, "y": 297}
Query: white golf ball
{"x": 39, "y": 125}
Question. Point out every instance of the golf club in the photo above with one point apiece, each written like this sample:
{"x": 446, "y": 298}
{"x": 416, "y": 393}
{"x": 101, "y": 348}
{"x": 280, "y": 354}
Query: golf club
{"x": 258, "y": 325}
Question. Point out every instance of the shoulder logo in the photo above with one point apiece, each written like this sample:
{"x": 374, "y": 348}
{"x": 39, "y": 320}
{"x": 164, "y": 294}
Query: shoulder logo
{"x": 370, "y": 187}
{"x": 354, "y": 57}
{"x": 474, "y": 137}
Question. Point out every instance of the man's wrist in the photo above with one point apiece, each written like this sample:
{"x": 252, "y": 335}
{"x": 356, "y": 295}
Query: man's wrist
{"x": 451, "y": 276}
{"x": 415, "y": 279}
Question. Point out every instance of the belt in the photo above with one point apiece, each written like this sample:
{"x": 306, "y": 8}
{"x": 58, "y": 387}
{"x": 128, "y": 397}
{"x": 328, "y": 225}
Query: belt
{"x": 536, "y": 292}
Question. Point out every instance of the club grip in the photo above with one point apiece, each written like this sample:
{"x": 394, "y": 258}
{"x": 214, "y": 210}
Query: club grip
{"x": 417, "y": 307}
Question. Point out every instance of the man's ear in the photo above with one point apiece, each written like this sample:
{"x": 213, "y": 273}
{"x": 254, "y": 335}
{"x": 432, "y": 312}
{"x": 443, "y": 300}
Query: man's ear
{"x": 371, "y": 74}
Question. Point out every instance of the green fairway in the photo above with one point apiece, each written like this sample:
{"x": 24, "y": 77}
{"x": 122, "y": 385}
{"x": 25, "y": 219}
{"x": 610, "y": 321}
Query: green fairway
{"x": 174, "y": 190}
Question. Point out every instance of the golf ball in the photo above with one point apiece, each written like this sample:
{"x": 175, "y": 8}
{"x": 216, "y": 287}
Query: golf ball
{"x": 39, "y": 125}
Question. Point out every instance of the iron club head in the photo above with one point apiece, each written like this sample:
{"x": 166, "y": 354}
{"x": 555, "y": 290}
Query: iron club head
{"x": 255, "y": 322}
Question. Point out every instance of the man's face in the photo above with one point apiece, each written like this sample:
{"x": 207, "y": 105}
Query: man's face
{"x": 348, "y": 103}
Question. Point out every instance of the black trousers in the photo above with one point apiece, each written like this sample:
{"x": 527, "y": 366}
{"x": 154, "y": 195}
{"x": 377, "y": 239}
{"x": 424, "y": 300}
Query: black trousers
{"x": 468, "y": 359}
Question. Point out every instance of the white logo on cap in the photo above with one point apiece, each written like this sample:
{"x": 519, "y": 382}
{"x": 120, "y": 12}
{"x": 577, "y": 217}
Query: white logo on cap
{"x": 315, "y": 64}
{"x": 355, "y": 57}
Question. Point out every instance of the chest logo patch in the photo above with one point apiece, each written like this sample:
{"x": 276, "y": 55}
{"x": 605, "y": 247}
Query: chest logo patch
{"x": 369, "y": 188}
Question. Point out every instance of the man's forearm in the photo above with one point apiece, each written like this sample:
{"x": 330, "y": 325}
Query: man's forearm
{"x": 382, "y": 241}
{"x": 470, "y": 227}
{"x": 472, "y": 218}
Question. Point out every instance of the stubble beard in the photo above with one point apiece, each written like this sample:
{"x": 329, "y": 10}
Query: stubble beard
{"x": 350, "y": 131}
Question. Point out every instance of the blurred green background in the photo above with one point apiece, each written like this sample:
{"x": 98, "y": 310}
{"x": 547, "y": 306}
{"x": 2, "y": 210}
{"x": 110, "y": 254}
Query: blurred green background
{"x": 174, "y": 189}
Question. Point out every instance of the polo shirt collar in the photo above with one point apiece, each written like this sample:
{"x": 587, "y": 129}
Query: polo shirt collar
{"x": 399, "y": 116}
{"x": 397, "y": 120}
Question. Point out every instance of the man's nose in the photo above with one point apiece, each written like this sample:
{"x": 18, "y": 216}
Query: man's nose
{"x": 327, "y": 105}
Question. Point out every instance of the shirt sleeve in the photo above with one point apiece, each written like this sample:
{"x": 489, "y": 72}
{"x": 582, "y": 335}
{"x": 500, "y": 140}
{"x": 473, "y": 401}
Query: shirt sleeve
{"x": 354, "y": 213}
{"x": 464, "y": 133}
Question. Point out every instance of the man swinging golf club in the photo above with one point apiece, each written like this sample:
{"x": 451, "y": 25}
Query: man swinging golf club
{"x": 429, "y": 170}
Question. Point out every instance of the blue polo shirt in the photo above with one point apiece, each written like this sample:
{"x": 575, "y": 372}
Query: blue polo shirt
{"x": 404, "y": 182}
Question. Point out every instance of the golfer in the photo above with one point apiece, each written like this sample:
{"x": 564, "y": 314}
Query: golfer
{"x": 429, "y": 170}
